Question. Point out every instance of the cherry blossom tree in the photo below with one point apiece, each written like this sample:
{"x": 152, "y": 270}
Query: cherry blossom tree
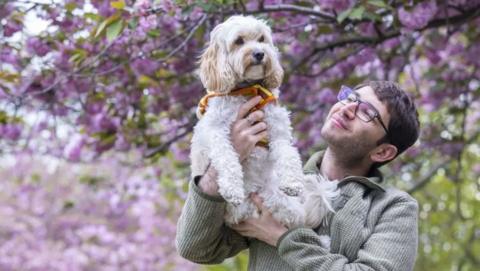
{"x": 110, "y": 78}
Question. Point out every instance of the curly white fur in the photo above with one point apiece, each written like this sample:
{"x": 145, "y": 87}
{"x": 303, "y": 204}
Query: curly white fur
{"x": 230, "y": 59}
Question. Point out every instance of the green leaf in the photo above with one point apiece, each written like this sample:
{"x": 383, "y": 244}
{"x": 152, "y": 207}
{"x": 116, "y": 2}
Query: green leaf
{"x": 70, "y": 6}
{"x": 118, "y": 4}
{"x": 9, "y": 77}
{"x": 75, "y": 58}
{"x": 101, "y": 28}
{"x": 154, "y": 33}
{"x": 146, "y": 81}
{"x": 342, "y": 16}
{"x": 68, "y": 205}
{"x": 207, "y": 7}
{"x": 108, "y": 139}
{"x": 188, "y": 9}
{"x": 91, "y": 180}
{"x": 114, "y": 29}
{"x": 164, "y": 73}
{"x": 106, "y": 23}
{"x": 78, "y": 55}
{"x": 357, "y": 13}
{"x": 378, "y": 3}
{"x": 372, "y": 16}
{"x": 324, "y": 29}
{"x": 91, "y": 16}
{"x": 3, "y": 117}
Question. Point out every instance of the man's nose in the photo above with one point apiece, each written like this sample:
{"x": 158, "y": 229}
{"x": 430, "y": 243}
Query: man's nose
{"x": 258, "y": 55}
{"x": 349, "y": 109}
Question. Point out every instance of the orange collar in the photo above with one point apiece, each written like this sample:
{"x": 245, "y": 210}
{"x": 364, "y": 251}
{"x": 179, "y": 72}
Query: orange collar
{"x": 267, "y": 97}
{"x": 250, "y": 91}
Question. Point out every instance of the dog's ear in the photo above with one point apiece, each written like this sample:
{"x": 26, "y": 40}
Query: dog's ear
{"x": 215, "y": 72}
{"x": 274, "y": 77}
{"x": 208, "y": 67}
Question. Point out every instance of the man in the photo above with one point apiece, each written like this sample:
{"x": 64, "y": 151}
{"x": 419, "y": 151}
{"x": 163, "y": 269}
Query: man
{"x": 373, "y": 228}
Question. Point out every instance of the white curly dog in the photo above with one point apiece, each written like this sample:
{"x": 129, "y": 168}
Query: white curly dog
{"x": 241, "y": 53}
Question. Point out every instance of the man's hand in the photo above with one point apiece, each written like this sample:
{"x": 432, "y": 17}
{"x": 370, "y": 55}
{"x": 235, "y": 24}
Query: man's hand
{"x": 264, "y": 228}
{"x": 248, "y": 129}
{"x": 208, "y": 183}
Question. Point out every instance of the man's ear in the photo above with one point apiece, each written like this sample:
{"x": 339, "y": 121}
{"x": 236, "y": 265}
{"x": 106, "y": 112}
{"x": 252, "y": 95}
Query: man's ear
{"x": 383, "y": 152}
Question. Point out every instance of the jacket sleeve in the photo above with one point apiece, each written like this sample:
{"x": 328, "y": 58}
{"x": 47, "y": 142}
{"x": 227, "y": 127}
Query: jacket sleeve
{"x": 202, "y": 236}
{"x": 391, "y": 246}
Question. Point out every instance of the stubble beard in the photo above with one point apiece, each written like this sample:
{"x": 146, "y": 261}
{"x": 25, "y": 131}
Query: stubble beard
{"x": 348, "y": 151}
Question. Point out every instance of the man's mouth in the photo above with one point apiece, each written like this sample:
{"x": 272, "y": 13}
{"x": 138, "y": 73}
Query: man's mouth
{"x": 339, "y": 123}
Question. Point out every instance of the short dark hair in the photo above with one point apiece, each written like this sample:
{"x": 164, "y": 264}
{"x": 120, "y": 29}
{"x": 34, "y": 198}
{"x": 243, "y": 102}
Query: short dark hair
{"x": 403, "y": 127}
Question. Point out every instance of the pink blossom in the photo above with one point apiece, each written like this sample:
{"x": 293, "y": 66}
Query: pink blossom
{"x": 433, "y": 56}
{"x": 121, "y": 143}
{"x": 6, "y": 9}
{"x": 11, "y": 27}
{"x": 10, "y": 131}
{"x": 337, "y": 5}
{"x": 37, "y": 46}
{"x": 391, "y": 43}
{"x": 101, "y": 122}
{"x": 144, "y": 66}
{"x": 419, "y": 16}
{"x": 73, "y": 150}
{"x": 8, "y": 55}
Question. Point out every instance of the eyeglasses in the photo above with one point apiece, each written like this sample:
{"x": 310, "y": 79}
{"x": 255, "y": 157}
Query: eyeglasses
{"x": 365, "y": 111}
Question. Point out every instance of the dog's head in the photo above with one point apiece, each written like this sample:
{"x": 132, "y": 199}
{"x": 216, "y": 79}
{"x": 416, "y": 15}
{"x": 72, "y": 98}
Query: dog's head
{"x": 240, "y": 50}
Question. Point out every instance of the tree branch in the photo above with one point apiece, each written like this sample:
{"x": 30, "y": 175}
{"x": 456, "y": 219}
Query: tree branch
{"x": 288, "y": 8}
{"x": 428, "y": 177}
{"x": 354, "y": 39}
{"x": 333, "y": 64}
{"x": 172, "y": 53}
{"x": 165, "y": 145}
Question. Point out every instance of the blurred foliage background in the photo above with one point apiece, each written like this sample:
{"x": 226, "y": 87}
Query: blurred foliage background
{"x": 97, "y": 102}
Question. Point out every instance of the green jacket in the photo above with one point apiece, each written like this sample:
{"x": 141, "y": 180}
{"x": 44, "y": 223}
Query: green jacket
{"x": 373, "y": 228}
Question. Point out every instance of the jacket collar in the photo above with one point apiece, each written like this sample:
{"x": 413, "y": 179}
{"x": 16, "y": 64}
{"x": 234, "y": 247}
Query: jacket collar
{"x": 371, "y": 181}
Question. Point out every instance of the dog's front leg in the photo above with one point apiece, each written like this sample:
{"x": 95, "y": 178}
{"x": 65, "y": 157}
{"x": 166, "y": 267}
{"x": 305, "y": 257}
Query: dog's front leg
{"x": 287, "y": 164}
{"x": 225, "y": 160}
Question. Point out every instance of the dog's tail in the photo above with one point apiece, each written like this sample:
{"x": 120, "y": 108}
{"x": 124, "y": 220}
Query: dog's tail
{"x": 319, "y": 194}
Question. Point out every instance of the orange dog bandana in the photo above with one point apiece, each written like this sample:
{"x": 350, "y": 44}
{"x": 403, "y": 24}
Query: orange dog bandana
{"x": 267, "y": 97}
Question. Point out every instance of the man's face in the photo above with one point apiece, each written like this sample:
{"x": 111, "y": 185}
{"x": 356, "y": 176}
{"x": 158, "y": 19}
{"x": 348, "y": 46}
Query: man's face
{"x": 345, "y": 131}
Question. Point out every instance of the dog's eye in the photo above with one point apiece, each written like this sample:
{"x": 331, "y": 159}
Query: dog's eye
{"x": 261, "y": 39}
{"x": 239, "y": 41}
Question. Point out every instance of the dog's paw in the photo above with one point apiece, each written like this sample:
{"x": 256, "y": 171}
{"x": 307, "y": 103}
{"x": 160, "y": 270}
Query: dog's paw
{"x": 235, "y": 200}
{"x": 292, "y": 189}
{"x": 232, "y": 196}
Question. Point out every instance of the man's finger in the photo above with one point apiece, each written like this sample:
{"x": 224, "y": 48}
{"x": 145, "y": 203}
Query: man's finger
{"x": 246, "y": 107}
{"x": 260, "y": 136}
{"x": 257, "y": 128}
{"x": 238, "y": 227}
{"x": 256, "y": 116}
{"x": 257, "y": 200}
{"x": 247, "y": 122}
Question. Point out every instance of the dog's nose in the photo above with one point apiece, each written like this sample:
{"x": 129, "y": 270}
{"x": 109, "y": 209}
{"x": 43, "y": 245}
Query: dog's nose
{"x": 258, "y": 55}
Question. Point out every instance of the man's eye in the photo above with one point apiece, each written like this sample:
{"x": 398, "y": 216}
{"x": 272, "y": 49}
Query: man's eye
{"x": 351, "y": 98}
{"x": 239, "y": 41}
{"x": 261, "y": 39}
{"x": 367, "y": 112}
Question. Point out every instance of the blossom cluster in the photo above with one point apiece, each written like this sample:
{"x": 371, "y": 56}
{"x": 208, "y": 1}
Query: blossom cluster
{"x": 102, "y": 216}
{"x": 121, "y": 75}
